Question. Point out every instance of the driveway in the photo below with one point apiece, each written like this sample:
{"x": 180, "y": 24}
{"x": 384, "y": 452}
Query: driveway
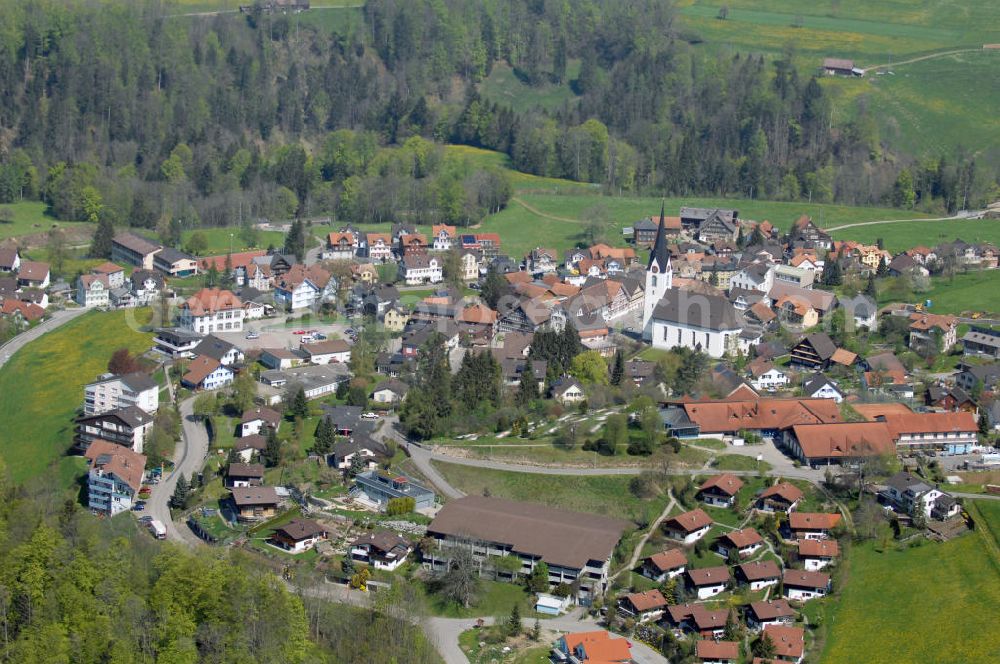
{"x": 17, "y": 343}
{"x": 189, "y": 456}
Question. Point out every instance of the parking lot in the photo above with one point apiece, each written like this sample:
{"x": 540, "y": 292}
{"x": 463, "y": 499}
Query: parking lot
{"x": 275, "y": 334}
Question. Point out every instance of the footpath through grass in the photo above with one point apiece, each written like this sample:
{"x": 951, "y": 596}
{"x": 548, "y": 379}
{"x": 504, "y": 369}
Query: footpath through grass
{"x": 41, "y": 387}
{"x": 934, "y": 603}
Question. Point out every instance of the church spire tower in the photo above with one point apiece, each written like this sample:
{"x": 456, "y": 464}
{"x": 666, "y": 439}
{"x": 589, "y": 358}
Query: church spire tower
{"x": 659, "y": 275}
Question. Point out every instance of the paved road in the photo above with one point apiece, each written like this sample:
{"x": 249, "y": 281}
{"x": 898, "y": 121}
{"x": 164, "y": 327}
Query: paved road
{"x": 974, "y": 496}
{"x": 967, "y": 215}
{"x": 188, "y": 459}
{"x": 17, "y": 343}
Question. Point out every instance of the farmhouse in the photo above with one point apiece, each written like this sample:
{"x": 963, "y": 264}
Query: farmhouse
{"x": 688, "y": 527}
{"x": 577, "y": 547}
{"x": 720, "y": 490}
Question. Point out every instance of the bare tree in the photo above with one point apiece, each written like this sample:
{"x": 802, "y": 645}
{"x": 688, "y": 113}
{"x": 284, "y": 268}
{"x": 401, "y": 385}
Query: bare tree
{"x": 460, "y": 581}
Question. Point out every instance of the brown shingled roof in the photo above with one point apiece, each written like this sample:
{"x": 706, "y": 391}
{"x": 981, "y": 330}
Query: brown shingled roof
{"x": 726, "y": 482}
{"x": 759, "y": 570}
{"x": 125, "y": 464}
{"x": 716, "y": 650}
{"x": 812, "y": 520}
{"x": 709, "y": 576}
{"x": 691, "y": 521}
{"x": 670, "y": 559}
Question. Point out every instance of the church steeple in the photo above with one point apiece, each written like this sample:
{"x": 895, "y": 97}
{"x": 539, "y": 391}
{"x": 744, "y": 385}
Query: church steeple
{"x": 660, "y": 255}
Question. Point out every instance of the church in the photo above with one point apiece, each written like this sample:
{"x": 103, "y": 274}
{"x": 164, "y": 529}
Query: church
{"x": 673, "y": 317}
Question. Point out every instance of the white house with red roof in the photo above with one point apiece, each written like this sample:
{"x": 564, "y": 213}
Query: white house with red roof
{"x": 212, "y": 310}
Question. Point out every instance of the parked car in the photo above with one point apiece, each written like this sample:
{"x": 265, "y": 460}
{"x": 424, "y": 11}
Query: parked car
{"x": 145, "y": 520}
{"x": 253, "y": 335}
{"x": 369, "y": 416}
{"x": 139, "y": 506}
{"x": 300, "y": 332}
{"x": 319, "y": 336}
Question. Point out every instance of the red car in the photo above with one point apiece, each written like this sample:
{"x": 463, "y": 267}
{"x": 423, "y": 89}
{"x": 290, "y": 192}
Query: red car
{"x": 299, "y": 332}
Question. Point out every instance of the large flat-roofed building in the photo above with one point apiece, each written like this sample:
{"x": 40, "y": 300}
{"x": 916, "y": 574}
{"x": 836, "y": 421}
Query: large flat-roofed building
{"x": 577, "y": 547}
{"x": 134, "y": 250}
{"x": 381, "y": 487}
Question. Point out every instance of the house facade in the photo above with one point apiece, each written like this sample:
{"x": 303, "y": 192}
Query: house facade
{"x": 212, "y": 310}
{"x": 118, "y": 392}
{"x": 115, "y": 477}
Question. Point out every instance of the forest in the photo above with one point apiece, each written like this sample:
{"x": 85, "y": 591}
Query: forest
{"x": 121, "y": 110}
{"x": 75, "y": 589}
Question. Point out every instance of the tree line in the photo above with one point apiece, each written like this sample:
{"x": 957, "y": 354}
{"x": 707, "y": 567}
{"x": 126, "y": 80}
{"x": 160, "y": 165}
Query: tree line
{"x": 222, "y": 120}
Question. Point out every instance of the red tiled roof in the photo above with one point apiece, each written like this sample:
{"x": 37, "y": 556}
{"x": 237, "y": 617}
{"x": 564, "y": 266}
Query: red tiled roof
{"x": 240, "y": 259}
{"x": 691, "y": 521}
{"x": 670, "y": 559}
{"x": 645, "y": 601}
{"x": 812, "y": 520}
{"x": 33, "y": 271}
{"x": 211, "y": 300}
{"x": 788, "y": 492}
{"x": 789, "y": 642}
{"x": 743, "y": 538}
{"x": 709, "y": 576}
{"x": 760, "y": 570}
{"x": 729, "y": 415}
{"x": 716, "y": 650}
{"x": 844, "y": 440}
{"x": 811, "y": 548}
{"x": 106, "y": 268}
{"x": 798, "y": 578}
{"x": 726, "y": 482}
{"x": 29, "y": 310}
{"x": 118, "y": 459}
{"x": 199, "y": 368}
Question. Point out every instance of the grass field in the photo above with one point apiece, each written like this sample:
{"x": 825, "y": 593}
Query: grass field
{"x": 28, "y": 218}
{"x": 504, "y": 87}
{"x": 934, "y": 603}
{"x": 906, "y": 235}
{"x": 219, "y": 240}
{"x": 868, "y": 31}
{"x": 600, "y": 494}
{"x": 42, "y": 387}
{"x": 972, "y": 291}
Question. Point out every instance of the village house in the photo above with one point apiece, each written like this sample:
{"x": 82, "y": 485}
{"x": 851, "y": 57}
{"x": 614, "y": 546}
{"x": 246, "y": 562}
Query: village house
{"x": 817, "y": 554}
{"x": 981, "y": 341}
{"x": 368, "y": 452}
{"x": 10, "y": 259}
{"x": 697, "y": 619}
{"x": 765, "y": 375}
{"x": 444, "y": 237}
{"x": 340, "y": 246}
{"x": 567, "y": 389}
{"x": 411, "y": 244}
{"x": 720, "y": 490}
{"x": 244, "y": 475}
{"x": 912, "y": 495}
{"x": 932, "y": 331}
{"x": 33, "y": 274}
{"x": 389, "y": 392}
{"x": 303, "y": 287}
{"x": 688, "y": 527}
{"x": 299, "y": 535}
{"x": 92, "y": 290}
{"x": 541, "y": 261}
{"x": 421, "y": 269}
{"x": 644, "y": 606}
{"x": 577, "y": 547}
{"x": 744, "y": 542}
{"x": 760, "y": 614}
{"x": 256, "y": 419}
{"x": 115, "y": 477}
{"x": 818, "y": 386}
{"x": 128, "y": 427}
{"x": 811, "y": 525}
{"x": 249, "y": 447}
{"x": 219, "y": 349}
{"x": 380, "y": 549}
{"x": 325, "y": 352}
{"x": 806, "y": 233}
{"x": 758, "y": 574}
{"x": 379, "y": 246}
{"x": 717, "y": 652}
{"x": 789, "y": 642}
{"x": 803, "y": 585}
{"x": 146, "y": 287}
{"x": 211, "y": 310}
{"x": 175, "y": 342}
{"x": 780, "y": 497}
{"x": 207, "y": 373}
{"x": 282, "y": 358}
{"x": 112, "y": 392}
{"x": 708, "y": 581}
{"x": 254, "y": 504}
{"x": 665, "y": 565}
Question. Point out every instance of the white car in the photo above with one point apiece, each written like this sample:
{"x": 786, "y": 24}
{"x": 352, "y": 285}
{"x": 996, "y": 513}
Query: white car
{"x": 369, "y": 416}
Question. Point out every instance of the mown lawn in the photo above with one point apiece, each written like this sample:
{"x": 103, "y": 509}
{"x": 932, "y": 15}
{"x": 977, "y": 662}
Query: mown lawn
{"x": 495, "y": 599}
{"x": 601, "y": 494}
{"x": 906, "y": 235}
{"x": 27, "y": 218}
{"x": 934, "y": 603}
{"x": 219, "y": 241}
{"x": 967, "y": 292}
{"x": 41, "y": 387}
